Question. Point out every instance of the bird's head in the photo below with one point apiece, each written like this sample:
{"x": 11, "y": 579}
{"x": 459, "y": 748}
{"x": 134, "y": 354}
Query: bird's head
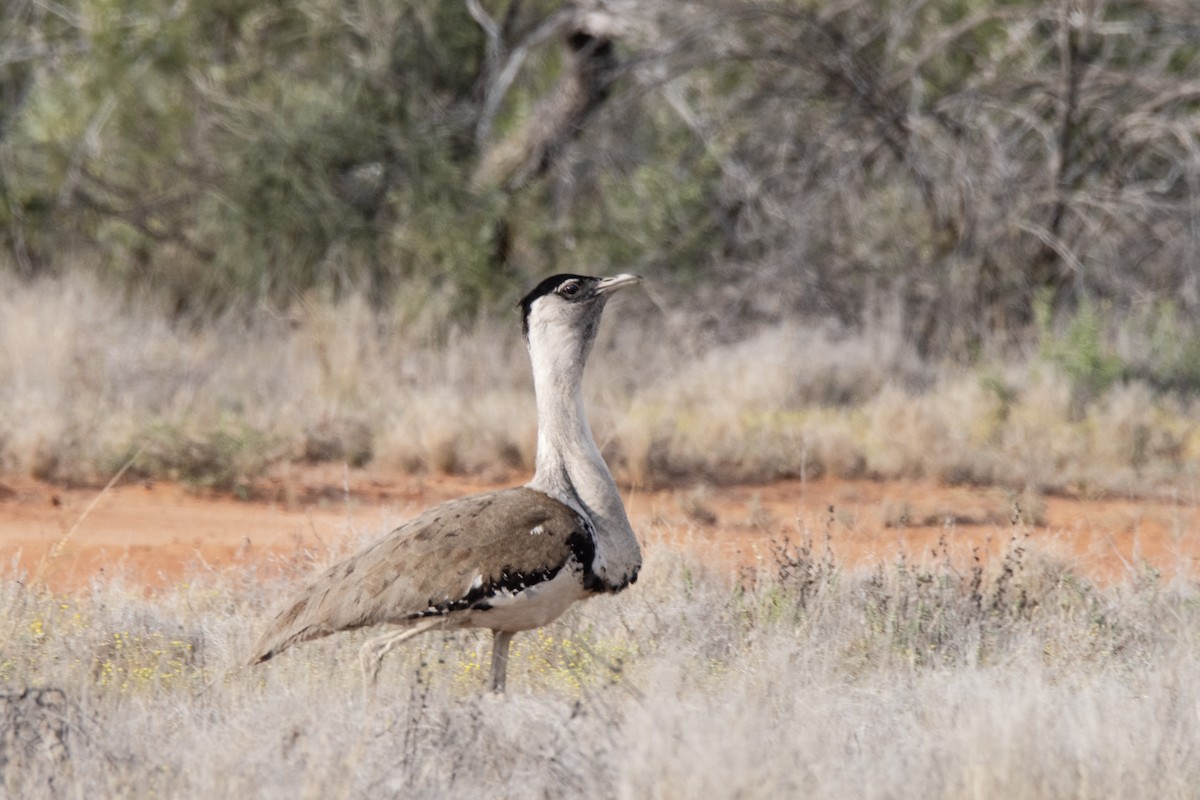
{"x": 561, "y": 315}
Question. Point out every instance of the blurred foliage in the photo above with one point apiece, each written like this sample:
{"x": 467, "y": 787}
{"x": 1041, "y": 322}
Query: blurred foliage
{"x": 956, "y": 157}
{"x": 224, "y": 454}
{"x": 237, "y": 150}
{"x": 1080, "y": 349}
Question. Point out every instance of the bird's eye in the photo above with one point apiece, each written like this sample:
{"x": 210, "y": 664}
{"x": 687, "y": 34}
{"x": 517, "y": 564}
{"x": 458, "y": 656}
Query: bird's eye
{"x": 569, "y": 289}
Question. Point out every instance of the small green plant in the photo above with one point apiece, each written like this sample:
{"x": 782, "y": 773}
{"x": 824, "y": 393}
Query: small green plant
{"x": 1079, "y": 350}
{"x": 1171, "y": 357}
{"x": 228, "y": 456}
{"x": 1003, "y": 397}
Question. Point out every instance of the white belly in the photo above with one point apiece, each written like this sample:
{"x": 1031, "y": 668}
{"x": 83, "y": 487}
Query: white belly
{"x": 534, "y": 607}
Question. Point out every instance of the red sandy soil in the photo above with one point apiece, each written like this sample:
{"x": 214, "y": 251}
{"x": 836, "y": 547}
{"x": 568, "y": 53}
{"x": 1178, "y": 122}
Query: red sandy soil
{"x": 157, "y": 534}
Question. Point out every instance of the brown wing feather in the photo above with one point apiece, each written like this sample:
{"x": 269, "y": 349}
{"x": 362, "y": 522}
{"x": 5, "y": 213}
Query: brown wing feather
{"x": 430, "y": 560}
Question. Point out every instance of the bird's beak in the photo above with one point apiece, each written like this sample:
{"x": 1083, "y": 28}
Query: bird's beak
{"x": 612, "y": 284}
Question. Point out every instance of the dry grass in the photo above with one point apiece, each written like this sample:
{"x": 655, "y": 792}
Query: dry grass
{"x": 88, "y": 379}
{"x": 917, "y": 679}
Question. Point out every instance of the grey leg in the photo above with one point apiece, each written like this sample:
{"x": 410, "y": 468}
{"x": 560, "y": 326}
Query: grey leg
{"x": 500, "y": 642}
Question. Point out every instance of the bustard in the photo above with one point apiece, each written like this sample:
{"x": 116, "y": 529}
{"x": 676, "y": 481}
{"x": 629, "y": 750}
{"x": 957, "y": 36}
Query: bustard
{"x": 508, "y": 560}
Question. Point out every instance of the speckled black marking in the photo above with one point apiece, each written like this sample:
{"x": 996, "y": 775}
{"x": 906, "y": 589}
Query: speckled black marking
{"x": 629, "y": 581}
{"x": 476, "y": 599}
{"x": 614, "y": 588}
{"x": 583, "y": 546}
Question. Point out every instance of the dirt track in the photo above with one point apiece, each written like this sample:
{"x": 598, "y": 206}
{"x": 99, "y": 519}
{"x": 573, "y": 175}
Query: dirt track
{"x": 155, "y": 534}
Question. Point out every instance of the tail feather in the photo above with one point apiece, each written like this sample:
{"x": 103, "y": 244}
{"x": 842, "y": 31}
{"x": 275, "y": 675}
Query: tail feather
{"x": 323, "y": 609}
{"x": 266, "y": 650}
{"x": 287, "y": 629}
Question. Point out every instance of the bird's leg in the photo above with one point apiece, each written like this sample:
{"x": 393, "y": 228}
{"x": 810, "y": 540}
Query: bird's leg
{"x": 500, "y": 642}
{"x": 374, "y": 650}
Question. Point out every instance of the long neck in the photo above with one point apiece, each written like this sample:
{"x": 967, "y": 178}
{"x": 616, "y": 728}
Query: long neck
{"x": 570, "y": 468}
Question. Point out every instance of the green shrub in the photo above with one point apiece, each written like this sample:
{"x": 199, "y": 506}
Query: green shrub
{"x": 227, "y": 455}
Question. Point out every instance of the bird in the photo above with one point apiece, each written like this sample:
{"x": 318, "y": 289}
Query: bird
{"x": 508, "y": 560}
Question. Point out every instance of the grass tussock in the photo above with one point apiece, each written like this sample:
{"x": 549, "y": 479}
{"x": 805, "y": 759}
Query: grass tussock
{"x": 919, "y": 678}
{"x": 90, "y": 381}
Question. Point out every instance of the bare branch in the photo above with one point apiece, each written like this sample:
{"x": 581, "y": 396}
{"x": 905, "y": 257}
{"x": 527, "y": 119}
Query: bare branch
{"x": 502, "y": 79}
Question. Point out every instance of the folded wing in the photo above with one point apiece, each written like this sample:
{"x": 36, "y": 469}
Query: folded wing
{"x": 446, "y": 561}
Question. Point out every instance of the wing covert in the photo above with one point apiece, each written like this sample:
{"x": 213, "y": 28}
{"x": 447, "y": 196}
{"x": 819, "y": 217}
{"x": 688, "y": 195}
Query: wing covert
{"x": 445, "y": 559}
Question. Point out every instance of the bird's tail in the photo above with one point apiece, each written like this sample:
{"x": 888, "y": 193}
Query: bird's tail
{"x": 288, "y": 628}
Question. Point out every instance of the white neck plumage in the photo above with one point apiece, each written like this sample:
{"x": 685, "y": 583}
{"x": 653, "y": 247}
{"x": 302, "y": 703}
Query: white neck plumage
{"x": 569, "y": 466}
